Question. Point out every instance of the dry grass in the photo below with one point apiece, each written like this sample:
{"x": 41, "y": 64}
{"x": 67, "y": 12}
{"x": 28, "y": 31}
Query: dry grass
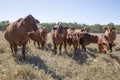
{"x": 42, "y": 64}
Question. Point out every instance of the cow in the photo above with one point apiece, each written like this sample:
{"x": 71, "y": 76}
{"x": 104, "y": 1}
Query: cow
{"x": 16, "y": 33}
{"x": 72, "y": 38}
{"x": 86, "y": 39}
{"x": 103, "y": 44}
{"x": 40, "y": 36}
{"x": 111, "y": 35}
{"x": 69, "y": 36}
{"x": 58, "y": 33}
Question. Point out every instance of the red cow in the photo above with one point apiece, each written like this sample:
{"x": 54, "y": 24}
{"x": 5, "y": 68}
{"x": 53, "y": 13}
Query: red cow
{"x": 111, "y": 35}
{"x": 16, "y": 33}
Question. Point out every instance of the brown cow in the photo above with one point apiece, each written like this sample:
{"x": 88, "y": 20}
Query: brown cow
{"x": 86, "y": 39}
{"x": 103, "y": 44}
{"x": 69, "y": 36}
{"x": 40, "y": 36}
{"x": 58, "y": 36}
{"x": 73, "y": 38}
{"x": 16, "y": 33}
{"x": 111, "y": 35}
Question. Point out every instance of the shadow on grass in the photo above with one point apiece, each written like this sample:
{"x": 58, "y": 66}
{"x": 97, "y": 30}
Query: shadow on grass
{"x": 115, "y": 57}
{"x": 37, "y": 63}
{"x": 117, "y": 49}
{"x": 47, "y": 47}
{"x": 79, "y": 57}
{"x": 110, "y": 57}
{"x": 92, "y": 52}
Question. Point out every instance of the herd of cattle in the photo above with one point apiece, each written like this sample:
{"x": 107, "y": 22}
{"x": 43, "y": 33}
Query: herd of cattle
{"x": 20, "y": 32}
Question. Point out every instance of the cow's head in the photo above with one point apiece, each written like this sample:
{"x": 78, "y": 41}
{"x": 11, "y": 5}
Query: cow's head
{"x": 59, "y": 28}
{"x": 30, "y": 23}
{"x": 43, "y": 33}
{"x": 85, "y": 29}
{"x": 69, "y": 33}
{"x": 109, "y": 29}
{"x": 75, "y": 38}
{"x": 94, "y": 38}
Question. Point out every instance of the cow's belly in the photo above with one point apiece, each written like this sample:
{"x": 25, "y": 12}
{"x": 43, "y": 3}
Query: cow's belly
{"x": 58, "y": 40}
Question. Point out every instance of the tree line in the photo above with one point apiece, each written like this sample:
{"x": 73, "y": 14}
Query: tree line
{"x": 96, "y": 28}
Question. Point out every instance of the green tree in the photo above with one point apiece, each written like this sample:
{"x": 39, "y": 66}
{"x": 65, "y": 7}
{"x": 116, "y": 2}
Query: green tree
{"x": 111, "y": 24}
{"x": 3, "y": 25}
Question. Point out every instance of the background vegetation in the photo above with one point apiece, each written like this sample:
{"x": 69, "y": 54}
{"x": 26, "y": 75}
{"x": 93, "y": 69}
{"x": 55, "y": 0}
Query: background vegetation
{"x": 96, "y": 28}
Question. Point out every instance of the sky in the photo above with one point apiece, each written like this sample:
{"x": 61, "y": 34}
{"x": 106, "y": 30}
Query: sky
{"x": 80, "y": 11}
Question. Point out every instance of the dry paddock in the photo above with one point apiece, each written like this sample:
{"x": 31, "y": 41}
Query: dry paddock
{"x": 42, "y": 64}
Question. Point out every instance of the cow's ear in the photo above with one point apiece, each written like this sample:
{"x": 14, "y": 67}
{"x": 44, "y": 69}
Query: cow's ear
{"x": 105, "y": 28}
{"x": 82, "y": 30}
{"x": 88, "y": 28}
{"x": 114, "y": 28}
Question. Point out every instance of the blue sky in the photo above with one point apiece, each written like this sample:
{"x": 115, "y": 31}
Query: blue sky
{"x": 80, "y": 11}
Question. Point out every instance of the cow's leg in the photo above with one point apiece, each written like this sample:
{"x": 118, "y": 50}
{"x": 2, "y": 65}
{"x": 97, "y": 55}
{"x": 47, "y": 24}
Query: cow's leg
{"x": 23, "y": 51}
{"x": 55, "y": 48}
{"x": 42, "y": 44}
{"x": 110, "y": 47}
{"x": 74, "y": 48}
{"x": 65, "y": 46}
{"x": 83, "y": 48}
{"x": 11, "y": 48}
{"x": 105, "y": 52}
{"x": 79, "y": 45}
{"x": 100, "y": 48}
{"x": 15, "y": 50}
{"x": 60, "y": 48}
{"x": 38, "y": 44}
{"x": 34, "y": 43}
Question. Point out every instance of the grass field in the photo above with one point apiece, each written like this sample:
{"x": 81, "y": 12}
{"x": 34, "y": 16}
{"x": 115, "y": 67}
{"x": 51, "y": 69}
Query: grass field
{"x": 42, "y": 64}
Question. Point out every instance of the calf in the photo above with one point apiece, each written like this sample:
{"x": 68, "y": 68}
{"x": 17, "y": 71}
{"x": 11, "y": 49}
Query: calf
{"x": 103, "y": 44}
{"x": 86, "y": 39}
{"x": 40, "y": 36}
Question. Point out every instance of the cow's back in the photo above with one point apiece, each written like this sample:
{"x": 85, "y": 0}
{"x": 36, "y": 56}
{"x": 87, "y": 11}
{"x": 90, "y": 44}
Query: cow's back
{"x": 86, "y": 39}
